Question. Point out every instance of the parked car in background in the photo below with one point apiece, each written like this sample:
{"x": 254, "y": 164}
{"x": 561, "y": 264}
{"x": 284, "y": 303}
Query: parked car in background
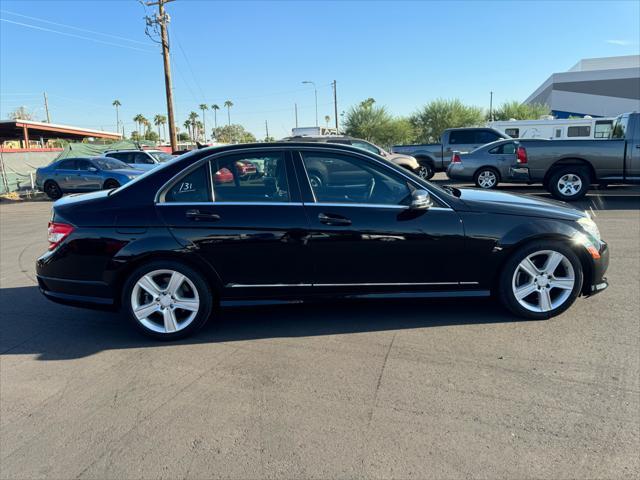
{"x": 557, "y": 128}
{"x": 486, "y": 166}
{"x": 385, "y": 233}
{"x": 140, "y": 159}
{"x": 72, "y": 175}
{"x": 435, "y": 157}
{"x": 405, "y": 161}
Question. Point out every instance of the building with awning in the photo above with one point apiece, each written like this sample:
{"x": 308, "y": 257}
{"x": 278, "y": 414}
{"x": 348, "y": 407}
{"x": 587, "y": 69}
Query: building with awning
{"x": 27, "y": 134}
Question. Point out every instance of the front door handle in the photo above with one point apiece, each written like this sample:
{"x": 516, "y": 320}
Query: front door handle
{"x": 335, "y": 220}
{"x": 198, "y": 215}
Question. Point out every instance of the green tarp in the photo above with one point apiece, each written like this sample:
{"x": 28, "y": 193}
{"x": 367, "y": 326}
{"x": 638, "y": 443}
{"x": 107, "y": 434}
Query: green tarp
{"x": 94, "y": 150}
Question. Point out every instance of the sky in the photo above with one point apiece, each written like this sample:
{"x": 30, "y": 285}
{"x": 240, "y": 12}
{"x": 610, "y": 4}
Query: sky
{"x": 85, "y": 54}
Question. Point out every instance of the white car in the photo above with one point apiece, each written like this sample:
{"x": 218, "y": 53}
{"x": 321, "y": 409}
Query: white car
{"x": 140, "y": 159}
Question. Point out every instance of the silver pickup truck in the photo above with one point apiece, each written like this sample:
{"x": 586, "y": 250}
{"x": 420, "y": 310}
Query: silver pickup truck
{"x": 567, "y": 168}
{"x": 435, "y": 157}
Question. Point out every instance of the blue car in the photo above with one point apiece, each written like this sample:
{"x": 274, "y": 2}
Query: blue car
{"x": 83, "y": 175}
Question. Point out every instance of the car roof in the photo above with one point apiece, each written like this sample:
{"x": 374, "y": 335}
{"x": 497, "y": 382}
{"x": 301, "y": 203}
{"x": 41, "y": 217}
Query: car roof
{"x": 279, "y": 144}
{"x": 125, "y": 150}
{"x": 317, "y": 138}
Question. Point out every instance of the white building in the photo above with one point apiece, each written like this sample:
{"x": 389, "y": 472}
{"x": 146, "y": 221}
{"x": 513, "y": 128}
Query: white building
{"x": 600, "y": 87}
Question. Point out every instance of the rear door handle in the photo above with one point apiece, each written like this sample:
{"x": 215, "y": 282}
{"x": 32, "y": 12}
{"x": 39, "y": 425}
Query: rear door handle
{"x": 334, "y": 220}
{"x": 200, "y": 215}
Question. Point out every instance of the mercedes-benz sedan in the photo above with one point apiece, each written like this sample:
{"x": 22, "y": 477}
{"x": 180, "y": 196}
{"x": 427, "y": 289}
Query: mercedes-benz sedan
{"x": 173, "y": 243}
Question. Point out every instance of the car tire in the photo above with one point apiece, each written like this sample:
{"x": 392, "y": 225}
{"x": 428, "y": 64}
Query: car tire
{"x": 531, "y": 287}
{"x": 486, "y": 178}
{"x": 109, "y": 184}
{"x": 425, "y": 171}
{"x": 53, "y": 190}
{"x": 154, "y": 293}
{"x": 569, "y": 183}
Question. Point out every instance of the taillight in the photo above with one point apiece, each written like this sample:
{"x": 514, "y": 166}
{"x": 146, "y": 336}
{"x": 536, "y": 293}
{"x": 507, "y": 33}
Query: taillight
{"x": 57, "y": 232}
{"x": 456, "y": 158}
{"x": 521, "y": 155}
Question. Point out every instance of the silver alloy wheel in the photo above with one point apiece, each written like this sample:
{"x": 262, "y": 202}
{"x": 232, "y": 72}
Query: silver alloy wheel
{"x": 487, "y": 179}
{"x": 569, "y": 184}
{"x": 165, "y": 301}
{"x": 543, "y": 281}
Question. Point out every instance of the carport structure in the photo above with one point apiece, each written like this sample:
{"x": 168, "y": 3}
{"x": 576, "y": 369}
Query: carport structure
{"x": 28, "y": 132}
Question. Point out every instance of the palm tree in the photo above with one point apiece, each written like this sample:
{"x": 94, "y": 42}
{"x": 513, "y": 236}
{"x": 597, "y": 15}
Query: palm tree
{"x": 203, "y": 107}
{"x": 327, "y": 119}
{"x": 193, "y": 116}
{"x": 139, "y": 119}
{"x": 116, "y": 103}
{"x": 187, "y": 125}
{"x": 228, "y": 104}
{"x": 160, "y": 120}
{"x": 215, "y": 109}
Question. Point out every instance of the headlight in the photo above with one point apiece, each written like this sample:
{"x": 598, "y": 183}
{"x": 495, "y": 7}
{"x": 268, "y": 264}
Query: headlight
{"x": 590, "y": 227}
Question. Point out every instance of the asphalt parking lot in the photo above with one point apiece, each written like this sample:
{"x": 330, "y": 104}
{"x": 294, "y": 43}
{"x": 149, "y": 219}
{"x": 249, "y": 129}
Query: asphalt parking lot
{"x": 378, "y": 389}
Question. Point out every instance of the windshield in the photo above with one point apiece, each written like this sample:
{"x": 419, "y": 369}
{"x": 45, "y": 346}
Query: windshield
{"x": 110, "y": 164}
{"x": 161, "y": 156}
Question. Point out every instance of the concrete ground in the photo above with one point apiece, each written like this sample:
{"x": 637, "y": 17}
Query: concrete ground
{"x": 395, "y": 389}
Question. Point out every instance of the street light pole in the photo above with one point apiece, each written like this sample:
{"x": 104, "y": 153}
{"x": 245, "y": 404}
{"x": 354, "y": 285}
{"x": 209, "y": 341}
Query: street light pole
{"x": 315, "y": 91}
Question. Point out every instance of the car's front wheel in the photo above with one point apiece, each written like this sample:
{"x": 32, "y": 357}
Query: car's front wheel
{"x": 110, "y": 183}
{"x": 167, "y": 300}
{"x": 541, "y": 280}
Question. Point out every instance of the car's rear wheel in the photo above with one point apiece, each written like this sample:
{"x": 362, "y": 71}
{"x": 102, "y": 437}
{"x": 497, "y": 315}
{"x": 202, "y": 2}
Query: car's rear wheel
{"x": 53, "y": 190}
{"x": 486, "y": 177}
{"x": 569, "y": 183}
{"x": 541, "y": 280}
{"x": 426, "y": 171}
{"x": 110, "y": 183}
{"x": 167, "y": 300}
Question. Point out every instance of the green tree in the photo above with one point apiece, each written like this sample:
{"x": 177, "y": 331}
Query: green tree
{"x": 376, "y": 124}
{"x": 327, "y": 119}
{"x": 139, "y": 119}
{"x": 215, "y": 109}
{"x": 233, "y": 134}
{"x": 228, "y": 104}
{"x": 431, "y": 120}
{"x": 520, "y": 111}
{"x": 203, "y": 107}
{"x": 187, "y": 124}
{"x": 183, "y": 137}
{"x": 151, "y": 135}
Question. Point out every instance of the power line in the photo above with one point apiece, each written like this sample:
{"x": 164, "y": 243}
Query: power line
{"x": 36, "y": 27}
{"x": 74, "y": 28}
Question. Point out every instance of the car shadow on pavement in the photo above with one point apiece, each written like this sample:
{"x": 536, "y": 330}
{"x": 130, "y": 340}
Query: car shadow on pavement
{"x": 31, "y": 325}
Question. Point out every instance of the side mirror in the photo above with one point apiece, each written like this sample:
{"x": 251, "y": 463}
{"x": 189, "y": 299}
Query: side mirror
{"x": 420, "y": 200}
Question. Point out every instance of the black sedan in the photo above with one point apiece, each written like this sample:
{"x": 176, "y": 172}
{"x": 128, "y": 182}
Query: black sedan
{"x": 171, "y": 244}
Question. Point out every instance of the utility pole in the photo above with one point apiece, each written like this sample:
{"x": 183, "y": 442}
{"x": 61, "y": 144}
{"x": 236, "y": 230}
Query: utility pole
{"x": 162, "y": 19}
{"x": 335, "y": 104}
{"x": 46, "y": 107}
{"x": 266, "y": 126}
{"x": 296, "y": 108}
{"x": 491, "y": 106}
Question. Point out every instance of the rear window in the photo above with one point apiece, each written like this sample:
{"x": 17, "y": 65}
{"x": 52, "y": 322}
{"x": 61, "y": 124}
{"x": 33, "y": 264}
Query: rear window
{"x": 193, "y": 187}
{"x": 462, "y": 137}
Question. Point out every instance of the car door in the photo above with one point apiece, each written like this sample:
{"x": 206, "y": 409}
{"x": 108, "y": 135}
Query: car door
{"x": 88, "y": 177}
{"x": 364, "y": 236}
{"x": 503, "y": 157}
{"x": 66, "y": 174}
{"x": 141, "y": 158}
{"x": 252, "y": 231}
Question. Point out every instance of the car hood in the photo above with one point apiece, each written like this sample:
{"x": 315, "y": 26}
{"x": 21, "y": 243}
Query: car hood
{"x": 512, "y": 204}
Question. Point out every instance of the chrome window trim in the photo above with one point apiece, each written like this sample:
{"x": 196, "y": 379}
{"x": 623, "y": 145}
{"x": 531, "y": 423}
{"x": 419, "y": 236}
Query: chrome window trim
{"x": 279, "y": 204}
{"x": 294, "y": 148}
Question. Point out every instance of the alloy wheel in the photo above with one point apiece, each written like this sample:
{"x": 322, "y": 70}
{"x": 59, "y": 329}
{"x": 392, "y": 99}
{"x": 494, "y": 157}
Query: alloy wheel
{"x": 424, "y": 172}
{"x": 569, "y": 184}
{"x": 165, "y": 301}
{"x": 487, "y": 179}
{"x": 543, "y": 281}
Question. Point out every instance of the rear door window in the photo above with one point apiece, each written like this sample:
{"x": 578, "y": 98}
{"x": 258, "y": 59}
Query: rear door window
{"x": 194, "y": 187}
{"x": 485, "y": 136}
{"x": 462, "y": 137}
{"x": 69, "y": 164}
{"x": 254, "y": 177}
